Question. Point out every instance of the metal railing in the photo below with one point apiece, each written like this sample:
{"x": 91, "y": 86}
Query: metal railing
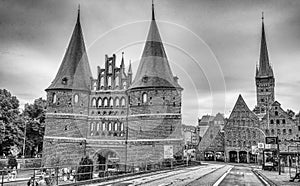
{"x": 76, "y": 174}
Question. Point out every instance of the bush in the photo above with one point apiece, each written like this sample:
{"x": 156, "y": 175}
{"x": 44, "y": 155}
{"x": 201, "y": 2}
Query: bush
{"x": 85, "y": 169}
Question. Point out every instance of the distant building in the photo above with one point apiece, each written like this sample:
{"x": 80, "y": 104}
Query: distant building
{"x": 245, "y": 129}
{"x": 203, "y": 124}
{"x": 211, "y": 146}
{"x": 190, "y": 135}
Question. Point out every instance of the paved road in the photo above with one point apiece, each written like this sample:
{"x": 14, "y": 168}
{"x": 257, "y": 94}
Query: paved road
{"x": 241, "y": 176}
{"x": 210, "y": 174}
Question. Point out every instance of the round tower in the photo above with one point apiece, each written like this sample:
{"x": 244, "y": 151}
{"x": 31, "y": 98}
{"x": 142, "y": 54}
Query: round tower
{"x": 154, "y": 104}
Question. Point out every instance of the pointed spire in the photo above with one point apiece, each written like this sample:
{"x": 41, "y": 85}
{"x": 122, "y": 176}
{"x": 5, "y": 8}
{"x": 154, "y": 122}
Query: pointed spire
{"x": 153, "y": 16}
{"x": 122, "y": 61}
{"x": 129, "y": 69}
{"x": 78, "y": 13}
{"x": 74, "y": 71}
{"x": 154, "y": 69}
{"x": 264, "y": 66}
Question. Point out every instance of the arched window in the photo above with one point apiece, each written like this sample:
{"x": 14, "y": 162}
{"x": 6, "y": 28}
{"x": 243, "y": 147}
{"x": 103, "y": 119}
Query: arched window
{"x": 99, "y": 102}
{"x": 76, "y": 98}
{"x": 111, "y": 102}
{"x": 283, "y": 121}
{"x": 117, "y": 83}
{"x": 116, "y": 127}
{"x": 92, "y": 126}
{"x": 276, "y": 113}
{"x": 109, "y": 82}
{"x": 109, "y": 127}
{"x": 117, "y": 102}
{"x": 271, "y": 121}
{"x": 94, "y": 102}
{"x": 105, "y": 104}
{"x": 272, "y": 131}
{"x": 124, "y": 85}
{"x": 277, "y": 121}
{"x": 290, "y": 131}
{"x": 121, "y": 126}
{"x": 110, "y": 69}
{"x": 102, "y": 82}
{"x": 284, "y": 131}
{"x": 145, "y": 97}
{"x": 254, "y": 134}
{"x": 104, "y": 126}
{"x": 54, "y": 98}
{"x": 278, "y": 132}
{"x": 123, "y": 102}
{"x": 267, "y": 131}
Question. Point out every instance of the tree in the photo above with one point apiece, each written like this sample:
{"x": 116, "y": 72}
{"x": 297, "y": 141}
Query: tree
{"x": 34, "y": 116}
{"x": 10, "y": 122}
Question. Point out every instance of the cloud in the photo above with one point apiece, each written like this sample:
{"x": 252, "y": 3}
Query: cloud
{"x": 213, "y": 46}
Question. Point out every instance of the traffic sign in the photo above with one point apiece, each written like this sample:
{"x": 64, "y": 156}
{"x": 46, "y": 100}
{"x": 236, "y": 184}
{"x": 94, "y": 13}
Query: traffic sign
{"x": 261, "y": 145}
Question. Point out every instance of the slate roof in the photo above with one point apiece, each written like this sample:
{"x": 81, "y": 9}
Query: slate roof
{"x": 154, "y": 69}
{"x": 74, "y": 71}
{"x": 264, "y": 69}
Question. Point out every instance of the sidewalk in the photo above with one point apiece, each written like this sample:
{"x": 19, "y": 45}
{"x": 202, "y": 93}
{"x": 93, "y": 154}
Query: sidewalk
{"x": 275, "y": 178}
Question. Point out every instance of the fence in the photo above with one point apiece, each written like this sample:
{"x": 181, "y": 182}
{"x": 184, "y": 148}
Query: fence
{"x": 76, "y": 174}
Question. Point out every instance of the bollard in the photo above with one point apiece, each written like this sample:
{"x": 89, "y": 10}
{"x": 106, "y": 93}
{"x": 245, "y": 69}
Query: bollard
{"x": 33, "y": 177}
{"x": 2, "y": 177}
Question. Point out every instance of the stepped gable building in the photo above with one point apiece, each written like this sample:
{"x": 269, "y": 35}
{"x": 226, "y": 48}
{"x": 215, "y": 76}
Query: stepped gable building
{"x": 241, "y": 133}
{"x": 112, "y": 118}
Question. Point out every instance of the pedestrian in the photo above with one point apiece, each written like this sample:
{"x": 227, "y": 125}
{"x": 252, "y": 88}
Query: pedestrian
{"x": 14, "y": 173}
{"x": 9, "y": 176}
{"x": 31, "y": 182}
{"x": 41, "y": 181}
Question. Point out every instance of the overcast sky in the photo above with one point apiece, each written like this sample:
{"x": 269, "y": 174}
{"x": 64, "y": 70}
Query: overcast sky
{"x": 212, "y": 46}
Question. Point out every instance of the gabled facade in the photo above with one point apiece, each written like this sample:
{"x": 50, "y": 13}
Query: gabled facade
{"x": 112, "y": 118}
{"x": 241, "y": 133}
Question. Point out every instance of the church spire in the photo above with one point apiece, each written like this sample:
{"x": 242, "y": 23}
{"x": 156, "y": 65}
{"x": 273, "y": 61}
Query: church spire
{"x": 154, "y": 69}
{"x": 74, "y": 71}
{"x": 153, "y": 16}
{"x": 264, "y": 68}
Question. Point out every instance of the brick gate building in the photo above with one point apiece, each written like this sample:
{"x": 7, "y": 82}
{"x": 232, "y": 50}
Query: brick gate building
{"x": 112, "y": 117}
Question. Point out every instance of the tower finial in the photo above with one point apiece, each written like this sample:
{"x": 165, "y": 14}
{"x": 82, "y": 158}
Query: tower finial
{"x": 262, "y": 16}
{"x": 153, "y": 16}
{"x": 78, "y": 16}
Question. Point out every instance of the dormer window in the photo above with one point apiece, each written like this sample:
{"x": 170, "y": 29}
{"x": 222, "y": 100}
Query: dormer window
{"x": 64, "y": 81}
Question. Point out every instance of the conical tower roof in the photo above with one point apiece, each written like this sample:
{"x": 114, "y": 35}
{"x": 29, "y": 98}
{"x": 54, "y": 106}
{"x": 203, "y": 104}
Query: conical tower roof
{"x": 74, "y": 71}
{"x": 154, "y": 69}
{"x": 265, "y": 69}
